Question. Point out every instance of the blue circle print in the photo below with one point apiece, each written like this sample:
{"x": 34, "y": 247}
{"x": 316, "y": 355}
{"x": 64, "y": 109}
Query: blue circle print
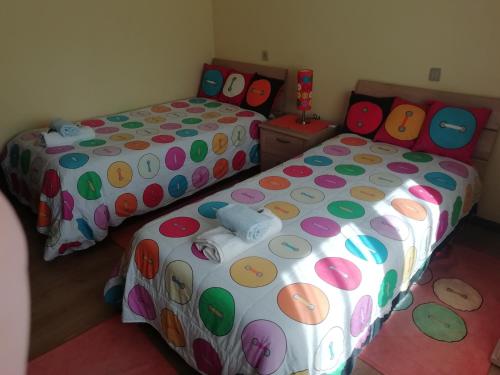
{"x": 85, "y": 229}
{"x": 255, "y": 154}
{"x": 197, "y": 100}
{"x": 177, "y": 186}
{"x": 452, "y": 128}
{"x": 209, "y": 209}
{"x": 367, "y": 248}
{"x": 186, "y": 132}
{"x": 212, "y": 81}
{"x": 117, "y": 118}
{"x": 318, "y": 161}
{"x": 74, "y": 160}
{"x": 442, "y": 180}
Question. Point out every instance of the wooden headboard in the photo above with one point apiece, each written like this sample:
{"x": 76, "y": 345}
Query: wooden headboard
{"x": 265, "y": 70}
{"x": 488, "y": 136}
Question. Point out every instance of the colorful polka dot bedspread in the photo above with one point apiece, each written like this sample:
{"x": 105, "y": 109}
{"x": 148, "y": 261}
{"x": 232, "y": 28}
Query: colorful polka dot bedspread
{"x": 139, "y": 160}
{"x": 360, "y": 218}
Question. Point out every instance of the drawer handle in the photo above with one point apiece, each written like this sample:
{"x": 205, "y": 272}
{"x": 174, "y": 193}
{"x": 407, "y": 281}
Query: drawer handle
{"x": 280, "y": 140}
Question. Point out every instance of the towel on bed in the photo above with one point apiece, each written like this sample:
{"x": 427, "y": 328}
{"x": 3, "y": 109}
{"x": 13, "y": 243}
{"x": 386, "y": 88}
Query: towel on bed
{"x": 54, "y": 139}
{"x": 246, "y": 223}
{"x": 65, "y": 128}
{"x": 219, "y": 244}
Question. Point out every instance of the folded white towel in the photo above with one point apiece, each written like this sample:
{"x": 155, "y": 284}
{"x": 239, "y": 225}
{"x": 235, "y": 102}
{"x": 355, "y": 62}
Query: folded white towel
{"x": 54, "y": 139}
{"x": 65, "y": 128}
{"x": 220, "y": 244}
{"x": 243, "y": 221}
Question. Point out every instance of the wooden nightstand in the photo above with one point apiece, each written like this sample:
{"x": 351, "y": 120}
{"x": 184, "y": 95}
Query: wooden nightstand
{"x": 280, "y": 140}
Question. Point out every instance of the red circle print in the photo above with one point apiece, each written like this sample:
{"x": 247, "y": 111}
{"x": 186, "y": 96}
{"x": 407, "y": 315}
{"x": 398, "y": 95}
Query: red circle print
{"x": 298, "y": 171}
{"x": 125, "y": 205}
{"x": 153, "y": 195}
{"x": 93, "y": 123}
{"x": 163, "y": 138}
{"x": 239, "y": 160}
{"x": 245, "y": 114}
{"x": 68, "y": 245}
{"x": 179, "y": 227}
{"x": 426, "y": 193}
{"x": 364, "y": 117}
{"x": 147, "y": 258}
{"x": 51, "y": 183}
{"x": 353, "y": 141}
{"x": 258, "y": 92}
{"x": 255, "y": 129}
{"x": 220, "y": 168}
{"x": 179, "y": 104}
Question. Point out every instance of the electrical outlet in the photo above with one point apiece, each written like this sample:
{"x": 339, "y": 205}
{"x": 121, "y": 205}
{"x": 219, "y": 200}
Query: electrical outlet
{"x": 265, "y": 55}
{"x": 435, "y": 74}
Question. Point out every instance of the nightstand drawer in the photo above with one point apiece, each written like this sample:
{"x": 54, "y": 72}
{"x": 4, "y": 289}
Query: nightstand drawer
{"x": 281, "y": 144}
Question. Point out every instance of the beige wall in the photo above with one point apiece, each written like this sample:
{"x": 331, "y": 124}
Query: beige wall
{"x": 81, "y": 58}
{"x": 388, "y": 40}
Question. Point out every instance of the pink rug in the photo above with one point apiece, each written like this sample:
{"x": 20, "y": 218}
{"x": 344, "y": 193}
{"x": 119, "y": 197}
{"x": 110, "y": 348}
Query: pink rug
{"x": 449, "y": 324}
{"x": 109, "y": 348}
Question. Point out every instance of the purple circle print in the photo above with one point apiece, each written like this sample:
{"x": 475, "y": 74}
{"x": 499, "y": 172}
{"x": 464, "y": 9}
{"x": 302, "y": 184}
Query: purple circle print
{"x": 107, "y": 130}
{"x": 247, "y": 196}
{"x": 361, "y": 315}
{"x": 336, "y": 150}
{"x": 329, "y": 181}
{"x": 208, "y": 127}
{"x": 455, "y": 167}
{"x": 320, "y": 227}
{"x": 141, "y": 303}
{"x": 58, "y": 149}
{"x": 402, "y": 167}
{"x": 200, "y": 177}
{"x": 170, "y": 126}
{"x": 264, "y": 346}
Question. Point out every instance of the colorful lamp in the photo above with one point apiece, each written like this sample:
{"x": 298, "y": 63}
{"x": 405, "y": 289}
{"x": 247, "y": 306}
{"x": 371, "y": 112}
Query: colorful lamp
{"x": 304, "y": 93}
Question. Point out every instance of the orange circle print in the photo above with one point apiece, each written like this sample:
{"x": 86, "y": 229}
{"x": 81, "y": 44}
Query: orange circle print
{"x": 258, "y": 92}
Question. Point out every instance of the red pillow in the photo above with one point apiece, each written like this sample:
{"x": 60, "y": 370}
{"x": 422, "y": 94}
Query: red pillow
{"x": 402, "y": 126}
{"x": 452, "y": 131}
{"x": 212, "y": 80}
{"x": 235, "y": 87}
{"x": 366, "y": 113}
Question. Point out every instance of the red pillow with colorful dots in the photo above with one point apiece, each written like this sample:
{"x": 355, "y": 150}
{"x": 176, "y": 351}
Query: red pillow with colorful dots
{"x": 452, "y": 131}
{"x": 403, "y": 125}
{"x": 366, "y": 113}
{"x": 235, "y": 87}
{"x": 212, "y": 81}
{"x": 261, "y": 94}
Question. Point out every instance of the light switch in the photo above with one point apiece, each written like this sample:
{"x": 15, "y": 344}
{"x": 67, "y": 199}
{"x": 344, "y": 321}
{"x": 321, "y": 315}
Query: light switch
{"x": 435, "y": 74}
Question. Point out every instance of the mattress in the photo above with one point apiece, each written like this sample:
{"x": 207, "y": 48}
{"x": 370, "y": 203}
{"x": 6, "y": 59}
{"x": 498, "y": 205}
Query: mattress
{"x": 359, "y": 219}
{"x": 139, "y": 161}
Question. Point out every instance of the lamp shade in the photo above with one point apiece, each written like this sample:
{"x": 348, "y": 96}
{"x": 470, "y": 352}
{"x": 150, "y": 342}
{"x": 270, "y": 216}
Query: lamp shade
{"x": 304, "y": 89}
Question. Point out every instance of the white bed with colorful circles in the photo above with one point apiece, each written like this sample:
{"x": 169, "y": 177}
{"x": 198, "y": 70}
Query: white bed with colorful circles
{"x": 138, "y": 161}
{"x": 360, "y": 218}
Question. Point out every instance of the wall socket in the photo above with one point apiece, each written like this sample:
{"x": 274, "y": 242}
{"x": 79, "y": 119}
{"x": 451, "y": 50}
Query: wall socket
{"x": 264, "y": 55}
{"x": 435, "y": 74}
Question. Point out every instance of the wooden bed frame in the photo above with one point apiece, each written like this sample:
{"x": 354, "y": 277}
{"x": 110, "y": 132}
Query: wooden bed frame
{"x": 488, "y": 136}
{"x": 265, "y": 70}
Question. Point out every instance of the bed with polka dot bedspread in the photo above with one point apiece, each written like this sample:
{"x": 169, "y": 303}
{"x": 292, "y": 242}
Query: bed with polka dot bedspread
{"x": 359, "y": 219}
{"x": 138, "y": 161}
